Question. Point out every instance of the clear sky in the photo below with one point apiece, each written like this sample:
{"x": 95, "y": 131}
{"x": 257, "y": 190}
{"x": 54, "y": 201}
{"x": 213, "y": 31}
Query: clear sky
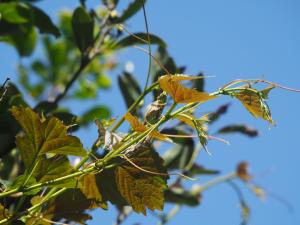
{"x": 228, "y": 39}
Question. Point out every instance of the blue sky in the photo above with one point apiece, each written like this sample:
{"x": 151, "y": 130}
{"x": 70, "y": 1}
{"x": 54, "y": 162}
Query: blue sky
{"x": 227, "y": 39}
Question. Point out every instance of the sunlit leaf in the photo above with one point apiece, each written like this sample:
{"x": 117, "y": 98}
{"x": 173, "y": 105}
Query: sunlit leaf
{"x": 55, "y": 167}
{"x": 19, "y": 182}
{"x": 142, "y": 190}
{"x": 139, "y": 127}
{"x": 98, "y": 112}
{"x": 255, "y": 104}
{"x": 88, "y": 186}
{"x": 43, "y": 136}
{"x": 171, "y": 84}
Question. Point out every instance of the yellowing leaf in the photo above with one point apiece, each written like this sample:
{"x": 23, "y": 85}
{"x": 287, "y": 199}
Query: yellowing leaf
{"x": 89, "y": 188}
{"x": 171, "y": 84}
{"x": 141, "y": 189}
{"x": 3, "y": 212}
{"x": 255, "y": 104}
{"x": 43, "y": 136}
{"x": 139, "y": 127}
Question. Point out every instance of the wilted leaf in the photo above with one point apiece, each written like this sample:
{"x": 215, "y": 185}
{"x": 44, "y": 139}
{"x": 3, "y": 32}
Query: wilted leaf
{"x": 236, "y": 128}
{"x": 132, "y": 9}
{"x": 242, "y": 171}
{"x": 43, "y": 136}
{"x": 83, "y": 27}
{"x": 255, "y": 104}
{"x": 131, "y": 40}
{"x": 141, "y": 189}
{"x": 139, "y": 127}
{"x": 171, "y": 84}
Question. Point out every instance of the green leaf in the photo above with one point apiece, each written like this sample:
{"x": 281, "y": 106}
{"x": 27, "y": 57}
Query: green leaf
{"x": 140, "y": 189}
{"x": 19, "y": 181}
{"x": 200, "y": 170}
{"x": 198, "y": 84}
{"x": 42, "y": 21}
{"x": 180, "y": 155}
{"x": 129, "y": 87}
{"x": 214, "y": 116}
{"x": 239, "y": 128}
{"x": 131, "y": 40}
{"x": 17, "y": 13}
{"x": 24, "y": 40}
{"x": 178, "y": 195}
{"x": 55, "y": 167}
{"x": 132, "y": 9}
{"x": 98, "y": 112}
{"x": 43, "y": 136}
{"x": 83, "y": 27}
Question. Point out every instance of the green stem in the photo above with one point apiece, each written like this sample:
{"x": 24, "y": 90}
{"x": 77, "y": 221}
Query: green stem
{"x": 135, "y": 104}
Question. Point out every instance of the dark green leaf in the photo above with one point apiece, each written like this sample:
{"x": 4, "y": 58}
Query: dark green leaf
{"x": 239, "y": 128}
{"x": 83, "y": 27}
{"x": 178, "y": 195}
{"x": 200, "y": 170}
{"x": 180, "y": 155}
{"x": 129, "y": 87}
{"x": 42, "y": 21}
{"x": 132, "y": 9}
{"x": 214, "y": 116}
{"x": 198, "y": 84}
{"x": 131, "y": 40}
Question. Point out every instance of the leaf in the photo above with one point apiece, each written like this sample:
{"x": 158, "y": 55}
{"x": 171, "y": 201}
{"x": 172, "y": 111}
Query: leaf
{"x": 255, "y": 104}
{"x": 140, "y": 189}
{"x": 178, "y": 195}
{"x": 135, "y": 39}
{"x": 98, "y": 112}
{"x": 180, "y": 155}
{"x": 198, "y": 84}
{"x": 200, "y": 170}
{"x": 55, "y": 167}
{"x": 16, "y": 13}
{"x": 132, "y": 9}
{"x": 214, "y": 116}
{"x": 43, "y": 136}
{"x": 88, "y": 186}
{"x": 24, "y": 40}
{"x": 19, "y": 182}
{"x": 3, "y": 212}
{"x": 43, "y": 22}
{"x": 129, "y": 87}
{"x": 83, "y": 27}
{"x": 171, "y": 84}
{"x": 139, "y": 127}
{"x": 242, "y": 171}
{"x": 239, "y": 128}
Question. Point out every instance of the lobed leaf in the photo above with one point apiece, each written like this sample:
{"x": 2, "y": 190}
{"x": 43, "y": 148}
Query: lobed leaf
{"x": 43, "y": 136}
{"x": 140, "y": 189}
{"x": 171, "y": 84}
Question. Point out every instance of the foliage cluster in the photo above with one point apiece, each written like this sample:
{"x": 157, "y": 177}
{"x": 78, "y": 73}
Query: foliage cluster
{"x": 39, "y": 185}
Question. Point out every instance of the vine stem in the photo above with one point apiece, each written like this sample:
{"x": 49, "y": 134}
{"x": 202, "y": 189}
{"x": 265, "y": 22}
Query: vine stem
{"x": 217, "y": 180}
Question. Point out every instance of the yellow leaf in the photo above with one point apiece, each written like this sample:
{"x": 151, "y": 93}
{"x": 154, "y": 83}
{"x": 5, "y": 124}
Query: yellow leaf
{"x": 89, "y": 188}
{"x": 171, "y": 84}
{"x": 254, "y": 103}
{"x": 139, "y": 127}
